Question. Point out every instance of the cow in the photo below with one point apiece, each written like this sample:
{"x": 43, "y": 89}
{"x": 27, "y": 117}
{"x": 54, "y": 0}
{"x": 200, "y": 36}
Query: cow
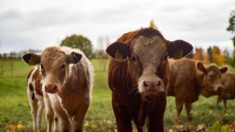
{"x": 188, "y": 79}
{"x": 35, "y": 97}
{"x": 67, "y": 77}
{"x": 138, "y": 75}
{"x": 228, "y": 80}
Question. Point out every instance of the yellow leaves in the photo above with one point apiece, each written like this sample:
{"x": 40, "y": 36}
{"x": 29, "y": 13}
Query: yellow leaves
{"x": 16, "y": 128}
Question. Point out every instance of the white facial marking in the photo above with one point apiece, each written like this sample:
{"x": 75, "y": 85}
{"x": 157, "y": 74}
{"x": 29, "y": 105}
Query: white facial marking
{"x": 150, "y": 52}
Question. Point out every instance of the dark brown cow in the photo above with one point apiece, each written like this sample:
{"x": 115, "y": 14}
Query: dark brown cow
{"x": 137, "y": 76}
{"x": 188, "y": 78}
{"x": 228, "y": 92}
{"x": 35, "y": 97}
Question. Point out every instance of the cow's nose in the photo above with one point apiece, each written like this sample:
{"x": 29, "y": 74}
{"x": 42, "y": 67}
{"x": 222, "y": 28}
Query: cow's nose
{"x": 151, "y": 85}
{"x": 51, "y": 88}
{"x": 220, "y": 89}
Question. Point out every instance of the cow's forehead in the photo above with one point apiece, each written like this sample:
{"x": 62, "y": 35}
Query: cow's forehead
{"x": 53, "y": 55}
{"x": 149, "y": 47}
{"x": 213, "y": 69}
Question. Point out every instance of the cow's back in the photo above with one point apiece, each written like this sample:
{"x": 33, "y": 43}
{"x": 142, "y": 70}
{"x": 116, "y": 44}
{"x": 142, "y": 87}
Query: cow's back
{"x": 228, "y": 80}
{"x": 183, "y": 79}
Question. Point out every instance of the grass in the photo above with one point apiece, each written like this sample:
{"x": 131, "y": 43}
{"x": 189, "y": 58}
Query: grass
{"x": 15, "y": 110}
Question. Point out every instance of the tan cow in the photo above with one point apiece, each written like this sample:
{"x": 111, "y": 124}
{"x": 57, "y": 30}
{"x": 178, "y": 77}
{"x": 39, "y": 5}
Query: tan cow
{"x": 67, "y": 77}
{"x": 228, "y": 80}
{"x": 35, "y": 97}
{"x": 188, "y": 78}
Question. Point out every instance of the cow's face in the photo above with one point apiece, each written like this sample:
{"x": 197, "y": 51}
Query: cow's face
{"x": 147, "y": 59}
{"x": 54, "y": 66}
{"x": 211, "y": 79}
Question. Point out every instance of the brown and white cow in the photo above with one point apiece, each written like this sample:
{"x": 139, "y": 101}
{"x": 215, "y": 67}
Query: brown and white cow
{"x": 67, "y": 77}
{"x": 35, "y": 97}
{"x": 189, "y": 78}
{"x": 228, "y": 92}
{"x": 138, "y": 75}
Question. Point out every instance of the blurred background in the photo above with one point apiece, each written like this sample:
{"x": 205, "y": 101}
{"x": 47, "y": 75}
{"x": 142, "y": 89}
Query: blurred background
{"x": 91, "y": 25}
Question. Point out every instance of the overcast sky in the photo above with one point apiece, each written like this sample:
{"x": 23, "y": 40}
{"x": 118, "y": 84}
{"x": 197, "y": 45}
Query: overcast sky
{"x": 36, "y": 24}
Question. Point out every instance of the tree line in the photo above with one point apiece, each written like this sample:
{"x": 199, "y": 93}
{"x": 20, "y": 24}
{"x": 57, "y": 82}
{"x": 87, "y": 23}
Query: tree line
{"x": 212, "y": 54}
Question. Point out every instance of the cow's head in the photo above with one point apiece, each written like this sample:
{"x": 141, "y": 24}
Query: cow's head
{"x": 147, "y": 58}
{"x": 211, "y": 79}
{"x": 54, "y": 66}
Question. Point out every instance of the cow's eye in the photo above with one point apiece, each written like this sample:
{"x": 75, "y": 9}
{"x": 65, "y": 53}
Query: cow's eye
{"x": 62, "y": 66}
{"x": 133, "y": 57}
{"x": 210, "y": 76}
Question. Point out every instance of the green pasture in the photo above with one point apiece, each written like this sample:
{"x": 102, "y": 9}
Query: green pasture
{"x": 15, "y": 110}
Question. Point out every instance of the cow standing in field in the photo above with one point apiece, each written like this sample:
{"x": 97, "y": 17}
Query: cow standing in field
{"x": 35, "y": 97}
{"x": 188, "y": 79}
{"x": 67, "y": 77}
{"x": 228, "y": 92}
{"x": 138, "y": 75}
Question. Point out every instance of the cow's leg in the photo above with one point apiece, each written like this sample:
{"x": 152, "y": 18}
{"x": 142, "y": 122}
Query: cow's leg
{"x": 139, "y": 128}
{"x": 156, "y": 123}
{"x": 188, "y": 107}
{"x": 39, "y": 113}
{"x": 123, "y": 120}
{"x": 56, "y": 123}
{"x": 78, "y": 120}
{"x": 64, "y": 122}
{"x": 219, "y": 99}
{"x": 179, "y": 106}
{"x": 49, "y": 113}
{"x": 225, "y": 103}
{"x": 49, "y": 118}
{"x": 34, "y": 111}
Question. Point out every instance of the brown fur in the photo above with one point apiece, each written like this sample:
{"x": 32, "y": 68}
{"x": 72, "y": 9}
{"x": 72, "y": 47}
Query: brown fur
{"x": 186, "y": 82}
{"x": 35, "y": 97}
{"x": 73, "y": 82}
{"x": 228, "y": 80}
{"x": 127, "y": 102}
{"x": 38, "y": 86}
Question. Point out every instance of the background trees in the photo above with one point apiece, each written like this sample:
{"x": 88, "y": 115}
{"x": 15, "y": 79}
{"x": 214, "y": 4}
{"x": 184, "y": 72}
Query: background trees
{"x": 78, "y": 41}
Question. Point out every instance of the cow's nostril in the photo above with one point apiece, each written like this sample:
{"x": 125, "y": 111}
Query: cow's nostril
{"x": 54, "y": 87}
{"x": 158, "y": 83}
{"x": 145, "y": 84}
{"x": 220, "y": 88}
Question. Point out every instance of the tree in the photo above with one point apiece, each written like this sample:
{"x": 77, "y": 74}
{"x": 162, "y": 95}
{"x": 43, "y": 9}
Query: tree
{"x": 227, "y": 57}
{"x": 231, "y": 27}
{"x": 201, "y": 55}
{"x": 210, "y": 54}
{"x": 80, "y": 42}
{"x": 218, "y": 57}
{"x": 152, "y": 25}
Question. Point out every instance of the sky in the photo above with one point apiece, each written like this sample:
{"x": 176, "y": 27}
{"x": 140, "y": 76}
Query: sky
{"x": 37, "y": 24}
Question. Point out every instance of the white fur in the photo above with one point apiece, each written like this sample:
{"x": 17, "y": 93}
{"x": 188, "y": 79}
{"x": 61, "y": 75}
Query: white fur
{"x": 37, "y": 105}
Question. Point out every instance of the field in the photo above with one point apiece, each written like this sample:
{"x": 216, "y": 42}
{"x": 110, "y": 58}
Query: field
{"x": 15, "y": 111}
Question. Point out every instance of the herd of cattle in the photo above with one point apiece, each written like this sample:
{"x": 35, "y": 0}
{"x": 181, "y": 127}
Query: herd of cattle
{"x": 140, "y": 75}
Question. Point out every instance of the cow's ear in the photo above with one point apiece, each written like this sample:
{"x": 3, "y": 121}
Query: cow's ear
{"x": 74, "y": 58}
{"x": 178, "y": 49}
{"x": 223, "y": 69}
{"x": 201, "y": 67}
{"x": 119, "y": 51}
{"x": 31, "y": 58}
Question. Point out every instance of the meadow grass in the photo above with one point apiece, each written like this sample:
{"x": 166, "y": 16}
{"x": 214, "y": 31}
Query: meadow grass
{"x": 14, "y": 107}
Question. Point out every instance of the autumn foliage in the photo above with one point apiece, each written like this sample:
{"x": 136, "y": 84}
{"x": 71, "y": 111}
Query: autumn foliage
{"x": 213, "y": 55}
